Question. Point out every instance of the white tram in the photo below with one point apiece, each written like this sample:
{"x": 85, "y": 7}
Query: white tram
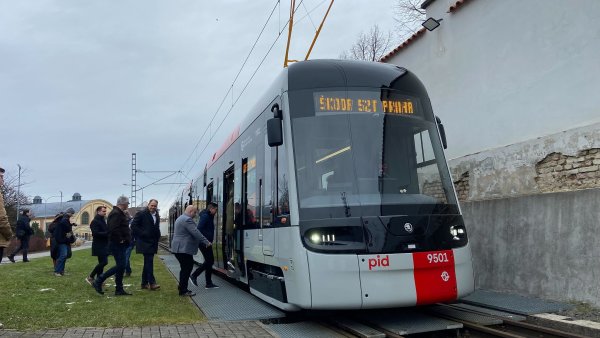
{"x": 334, "y": 193}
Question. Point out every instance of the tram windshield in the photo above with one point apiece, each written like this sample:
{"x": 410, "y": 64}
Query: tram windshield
{"x": 360, "y": 149}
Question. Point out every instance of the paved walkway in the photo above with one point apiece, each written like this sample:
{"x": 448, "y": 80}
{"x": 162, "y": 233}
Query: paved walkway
{"x": 250, "y": 329}
{"x": 209, "y": 329}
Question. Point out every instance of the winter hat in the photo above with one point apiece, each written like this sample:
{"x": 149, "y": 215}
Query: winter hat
{"x": 70, "y": 211}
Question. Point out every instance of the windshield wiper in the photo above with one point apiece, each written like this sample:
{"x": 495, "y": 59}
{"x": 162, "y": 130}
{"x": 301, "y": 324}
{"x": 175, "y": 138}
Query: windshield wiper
{"x": 345, "y": 201}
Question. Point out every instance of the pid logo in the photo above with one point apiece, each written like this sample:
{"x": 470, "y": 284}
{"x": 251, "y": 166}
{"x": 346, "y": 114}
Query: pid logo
{"x": 379, "y": 262}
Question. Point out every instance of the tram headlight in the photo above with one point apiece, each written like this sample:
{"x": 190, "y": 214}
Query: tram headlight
{"x": 315, "y": 238}
{"x": 457, "y": 232}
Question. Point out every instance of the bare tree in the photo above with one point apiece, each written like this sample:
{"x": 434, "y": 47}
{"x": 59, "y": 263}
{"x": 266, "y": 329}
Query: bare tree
{"x": 11, "y": 195}
{"x": 409, "y": 16}
{"x": 370, "y": 46}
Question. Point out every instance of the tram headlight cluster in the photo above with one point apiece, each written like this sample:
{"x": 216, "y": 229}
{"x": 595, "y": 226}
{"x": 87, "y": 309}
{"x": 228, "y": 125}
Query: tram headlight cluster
{"x": 334, "y": 238}
{"x": 458, "y": 232}
{"x": 318, "y": 238}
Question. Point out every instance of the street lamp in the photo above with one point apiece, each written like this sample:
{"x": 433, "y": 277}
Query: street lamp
{"x": 431, "y": 24}
{"x": 45, "y": 203}
{"x": 19, "y": 192}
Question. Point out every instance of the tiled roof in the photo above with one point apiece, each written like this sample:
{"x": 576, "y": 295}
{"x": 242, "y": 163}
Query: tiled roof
{"x": 407, "y": 42}
{"x": 453, "y": 8}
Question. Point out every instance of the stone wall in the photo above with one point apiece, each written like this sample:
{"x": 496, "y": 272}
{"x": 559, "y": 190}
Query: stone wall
{"x": 565, "y": 161}
{"x": 559, "y": 172}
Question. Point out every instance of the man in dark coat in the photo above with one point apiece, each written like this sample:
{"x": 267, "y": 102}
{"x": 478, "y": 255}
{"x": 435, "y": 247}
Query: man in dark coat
{"x": 119, "y": 237}
{"x": 23, "y": 232}
{"x": 146, "y": 230}
{"x": 63, "y": 235}
{"x": 100, "y": 243}
{"x": 206, "y": 225}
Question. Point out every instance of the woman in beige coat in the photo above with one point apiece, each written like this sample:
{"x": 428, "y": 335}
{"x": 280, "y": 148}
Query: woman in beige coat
{"x": 5, "y": 231}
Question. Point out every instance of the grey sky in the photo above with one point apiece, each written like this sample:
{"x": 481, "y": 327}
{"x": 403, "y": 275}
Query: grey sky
{"x": 83, "y": 84}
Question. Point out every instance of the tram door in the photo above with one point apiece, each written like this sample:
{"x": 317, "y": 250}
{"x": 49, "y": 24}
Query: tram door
{"x": 228, "y": 252}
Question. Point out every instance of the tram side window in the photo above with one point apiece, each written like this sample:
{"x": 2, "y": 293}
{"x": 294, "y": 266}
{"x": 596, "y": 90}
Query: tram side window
{"x": 283, "y": 195}
{"x": 252, "y": 198}
{"x": 430, "y": 183}
{"x": 268, "y": 183}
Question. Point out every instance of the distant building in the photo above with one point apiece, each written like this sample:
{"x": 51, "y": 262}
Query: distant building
{"x": 85, "y": 210}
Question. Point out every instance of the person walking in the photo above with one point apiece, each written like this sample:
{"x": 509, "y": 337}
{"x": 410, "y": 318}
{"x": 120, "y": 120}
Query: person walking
{"x": 186, "y": 240}
{"x": 99, "y": 244}
{"x": 145, "y": 228}
{"x": 206, "y": 226}
{"x": 119, "y": 237}
{"x": 23, "y": 232}
{"x": 5, "y": 230}
{"x": 50, "y": 235}
{"x": 64, "y": 237}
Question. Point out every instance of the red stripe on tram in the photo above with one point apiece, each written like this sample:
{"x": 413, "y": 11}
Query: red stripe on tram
{"x": 435, "y": 276}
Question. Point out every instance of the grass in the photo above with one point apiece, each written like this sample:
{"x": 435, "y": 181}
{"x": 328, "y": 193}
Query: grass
{"x": 32, "y": 298}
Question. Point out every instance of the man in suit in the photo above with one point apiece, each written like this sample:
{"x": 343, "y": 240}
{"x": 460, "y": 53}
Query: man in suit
{"x": 146, "y": 231}
{"x": 119, "y": 237}
{"x": 185, "y": 243}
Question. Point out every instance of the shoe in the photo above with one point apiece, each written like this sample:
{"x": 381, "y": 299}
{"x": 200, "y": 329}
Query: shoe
{"x": 56, "y": 274}
{"x": 11, "y": 258}
{"x": 98, "y": 287}
{"x": 145, "y": 286}
{"x": 188, "y": 293}
{"x": 122, "y": 293}
{"x": 194, "y": 280}
{"x": 26, "y": 261}
{"x": 211, "y": 286}
{"x": 154, "y": 287}
{"x": 89, "y": 280}
{"x": 127, "y": 274}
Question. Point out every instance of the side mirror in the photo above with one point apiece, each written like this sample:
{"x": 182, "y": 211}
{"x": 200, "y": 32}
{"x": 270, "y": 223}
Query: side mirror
{"x": 274, "y": 132}
{"x": 442, "y": 132}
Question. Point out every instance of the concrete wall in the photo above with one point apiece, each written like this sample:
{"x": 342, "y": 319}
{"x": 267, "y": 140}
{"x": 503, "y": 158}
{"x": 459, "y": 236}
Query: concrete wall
{"x": 545, "y": 245}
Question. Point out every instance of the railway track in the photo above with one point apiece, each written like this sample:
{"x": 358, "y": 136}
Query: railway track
{"x": 358, "y": 324}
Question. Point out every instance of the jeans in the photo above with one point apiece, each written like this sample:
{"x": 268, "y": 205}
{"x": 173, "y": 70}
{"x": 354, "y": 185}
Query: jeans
{"x": 186, "y": 262}
{"x": 102, "y": 262}
{"x": 62, "y": 258}
{"x": 118, "y": 252}
{"x": 148, "y": 271}
{"x": 23, "y": 246}
{"x": 127, "y": 256}
{"x": 209, "y": 260}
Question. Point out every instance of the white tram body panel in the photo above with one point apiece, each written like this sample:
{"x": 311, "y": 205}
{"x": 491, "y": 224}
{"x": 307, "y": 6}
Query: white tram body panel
{"x": 386, "y": 280}
{"x": 349, "y": 281}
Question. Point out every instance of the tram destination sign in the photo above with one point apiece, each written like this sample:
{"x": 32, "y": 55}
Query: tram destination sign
{"x": 362, "y": 102}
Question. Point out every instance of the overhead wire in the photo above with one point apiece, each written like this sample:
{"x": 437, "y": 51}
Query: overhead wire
{"x": 244, "y": 88}
{"x": 225, "y": 97}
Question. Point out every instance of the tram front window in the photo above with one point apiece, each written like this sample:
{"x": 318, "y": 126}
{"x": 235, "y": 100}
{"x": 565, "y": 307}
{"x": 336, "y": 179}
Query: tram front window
{"x": 346, "y": 159}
